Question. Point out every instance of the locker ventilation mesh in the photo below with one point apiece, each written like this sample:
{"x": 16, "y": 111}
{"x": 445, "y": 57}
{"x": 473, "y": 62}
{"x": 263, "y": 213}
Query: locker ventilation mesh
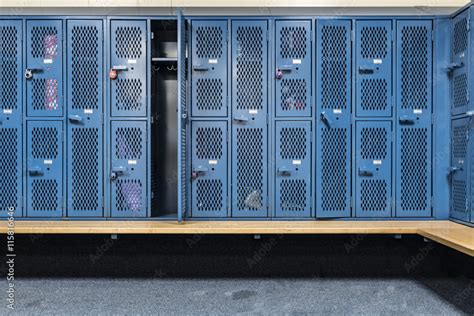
{"x": 9, "y": 67}
{"x": 44, "y": 195}
{"x": 128, "y": 42}
{"x": 460, "y": 142}
{"x": 374, "y": 195}
{"x": 44, "y": 143}
{"x": 373, "y": 143}
{"x": 209, "y": 142}
{"x": 334, "y": 66}
{"x": 128, "y": 143}
{"x": 459, "y": 189}
{"x": 85, "y": 67}
{"x": 250, "y": 169}
{"x": 250, "y": 69}
{"x": 209, "y": 194}
{"x": 414, "y": 67}
{"x": 414, "y": 168}
{"x": 293, "y": 42}
{"x": 128, "y": 195}
{"x": 209, "y": 94}
{"x": 209, "y": 42}
{"x": 460, "y": 36}
{"x": 293, "y": 195}
{"x": 85, "y": 169}
{"x": 459, "y": 196}
{"x": 334, "y": 169}
{"x": 374, "y": 94}
{"x": 45, "y": 94}
{"x": 460, "y": 91}
{"x": 128, "y": 94}
{"x": 9, "y": 178}
{"x": 374, "y": 42}
{"x": 293, "y": 94}
{"x": 44, "y": 42}
{"x": 293, "y": 143}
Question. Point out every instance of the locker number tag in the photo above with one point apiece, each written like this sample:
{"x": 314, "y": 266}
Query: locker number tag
{"x": 48, "y": 162}
{"x": 253, "y": 111}
{"x": 377, "y": 162}
{"x": 132, "y": 61}
{"x": 417, "y": 111}
{"x": 132, "y": 162}
{"x": 88, "y": 111}
{"x": 48, "y": 61}
{"x": 7, "y": 111}
{"x": 337, "y": 111}
{"x": 213, "y": 61}
{"x": 296, "y": 61}
{"x": 213, "y": 162}
{"x": 377, "y": 61}
{"x": 297, "y": 162}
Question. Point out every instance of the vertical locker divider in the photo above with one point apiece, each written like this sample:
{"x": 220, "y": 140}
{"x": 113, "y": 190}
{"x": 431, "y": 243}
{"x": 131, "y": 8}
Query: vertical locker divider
{"x": 148, "y": 93}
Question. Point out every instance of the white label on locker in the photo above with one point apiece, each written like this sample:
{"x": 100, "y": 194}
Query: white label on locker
{"x": 48, "y": 61}
{"x": 417, "y": 111}
{"x": 48, "y": 162}
{"x": 213, "y": 61}
{"x": 132, "y": 162}
{"x": 88, "y": 111}
{"x": 296, "y": 61}
{"x": 297, "y": 162}
{"x": 132, "y": 61}
{"x": 377, "y": 162}
{"x": 377, "y": 61}
{"x": 337, "y": 111}
{"x": 253, "y": 111}
{"x": 7, "y": 111}
{"x": 213, "y": 162}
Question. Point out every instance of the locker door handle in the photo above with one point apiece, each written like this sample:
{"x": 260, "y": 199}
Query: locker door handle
{"x": 453, "y": 66}
{"x": 35, "y": 171}
{"x": 454, "y": 169}
{"x": 285, "y": 68}
{"x": 200, "y": 169}
{"x": 29, "y": 72}
{"x": 365, "y": 172}
{"x": 116, "y": 171}
{"x": 407, "y": 120}
{"x": 200, "y": 68}
{"x": 326, "y": 120}
{"x": 119, "y": 68}
{"x": 241, "y": 118}
{"x": 366, "y": 70}
{"x": 284, "y": 170}
{"x": 75, "y": 118}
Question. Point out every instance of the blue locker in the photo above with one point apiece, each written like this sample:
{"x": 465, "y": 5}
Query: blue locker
{"x": 85, "y": 107}
{"x": 11, "y": 117}
{"x": 374, "y": 68}
{"x": 373, "y": 169}
{"x": 209, "y": 169}
{"x": 44, "y": 68}
{"x": 459, "y": 68}
{"x": 249, "y": 113}
{"x": 128, "y": 174}
{"x": 128, "y": 64}
{"x": 414, "y": 106}
{"x": 293, "y": 169}
{"x": 209, "y": 68}
{"x": 44, "y": 169}
{"x": 460, "y": 169}
{"x": 293, "y": 68}
{"x": 333, "y": 147}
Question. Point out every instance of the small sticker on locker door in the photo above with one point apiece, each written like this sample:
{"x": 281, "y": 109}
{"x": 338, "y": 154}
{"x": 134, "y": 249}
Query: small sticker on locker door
{"x": 48, "y": 61}
{"x": 377, "y": 162}
{"x": 132, "y": 61}
{"x": 48, "y": 162}
{"x": 7, "y": 111}
{"x": 297, "y": 162}
{"x": 337, "y": 111}
{"x": 213, "y": 162}
{"x": 377, "y": 61}
{"x": 88, "y": 111}
{"x": 296, "y": 61}
{"x": 213, "y": 61}
{"x": 253, "y": 111}
{"x": 132, "y": 162}
{"x": 417, "y": 111}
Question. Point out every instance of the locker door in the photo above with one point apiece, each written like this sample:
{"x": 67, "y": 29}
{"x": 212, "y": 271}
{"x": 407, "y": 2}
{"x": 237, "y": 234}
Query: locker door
{"x": 373, "y": 169}
{"x": 44, "y": 66}
{"x": 293, "y": 68}
{"x": 333, "y": 77}
{"x": 85, "y": 108}
{"x": 11, "y": 117}
{"x": 128, "y": 62}
{"x": 374, "y": 68}
{"x": 249, "y": 112}
{"x": 129, "y": 169}
{"x": 460, "y": 169}
{"x": 414, "y": 102}
{"x": 209, "y": 169}
{"x": 44, "y": 169}
{"x": 209, "y": 68}
{"x": 460, "y": 64}
{"x": 293, "y": 169}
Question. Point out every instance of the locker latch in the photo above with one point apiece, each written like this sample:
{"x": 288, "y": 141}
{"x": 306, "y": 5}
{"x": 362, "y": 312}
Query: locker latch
{"x": 29, "y": 72}
{"x": 366, "y": 70}
{"x": 281, "y": 69}
{"x": 35, "y": 170}
{"x": 241, "y": 118}
{"x": 407, "y": 120}
{"x": 197, "y": 170}
{"x": 454, "y": 169}
{"x": 116, "y": 171}
{"x": 366, "y": 172}
{"x": 200, "y": 68}
{"x": 453, "y": 66}
{"x": 113, "y": 73}
{"x": 284, "y": 170}
{"x": 75, "y": 118}
{"x": 326, "y": 120}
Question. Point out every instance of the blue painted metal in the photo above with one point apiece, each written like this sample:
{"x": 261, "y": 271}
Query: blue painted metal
{"x": 85, "y": 59}
{"x": 44, "y": 68}
{"x": 249, "y": 115}
{"x": 128, "y": 58}
{"x": 414, "y": 107}
{"x": 209, "y": 68}
{"x": 44, "y": 169}
{"x": 373, "y": 169}
{"x": 293, "y": 68}
{"x": 11, "y": 118}
{"x": 333, "y": 144}
{"x": 128, "y": 174}
{"x": 458, "y": 69}
{"x": 293, "y": 185}
{"x": 209, "y": 169}
{"x": 374, "y": 68}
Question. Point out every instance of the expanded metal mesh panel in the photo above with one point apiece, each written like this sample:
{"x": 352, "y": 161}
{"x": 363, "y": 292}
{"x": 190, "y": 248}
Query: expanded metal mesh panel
{"x": 374, "y": 143}
{"x": 374, "y": 42}
{"x": 374, "y": 195}
{"x": 293, "y": 195}
{"x": 129, "y": 93}
{"x": 44, "y": 194}
{"x": 209, "y": 41}
{"x": 209, "y": 142}
{"x": 9, "y": 177}
{"x": 210, "y": 94}
{"x": 293, "y": 143}
{"x": 250, "y": 68}
{"x": 459, "y": 192}
{"x": 460, "y": 90}
{"x": 9, "y": 67}
{"x": 128, "y": 42}
{"x": 414, "y": 168}
{"x": 293, "y": 94}
{"x": 85, "y": 66}
{"x": 45, "y": 94}
{"x": 374, "y": 94}
{"x": 293, "y": 42}
{"x": 129, "y": 195}
{"x": 415, "y": 63}
{"x": 334, "y": 163}
{"x": 209, "y": 195}
{"x": 459, "y": 140}
{"x": 250, "y": 168}
{"x": 44, "y": 42}
{"x": 44, "y": 143}
{"x": 129, "y": 143}
{"x": 460, "y": 41}
{"x": 85, "y": 169}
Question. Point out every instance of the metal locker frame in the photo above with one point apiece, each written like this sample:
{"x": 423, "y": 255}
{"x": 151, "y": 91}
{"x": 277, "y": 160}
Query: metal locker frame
{"x": 458, "y": 69}
{"x": 85, "y": 100}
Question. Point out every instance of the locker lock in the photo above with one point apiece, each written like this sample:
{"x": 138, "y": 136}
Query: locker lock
{"x": 113, "y": 73}
{"x": 116, "y": 171}
{"x": 196, "y": 171}
{"x": 279, "y": 74}
{"x": 29, "y": 72}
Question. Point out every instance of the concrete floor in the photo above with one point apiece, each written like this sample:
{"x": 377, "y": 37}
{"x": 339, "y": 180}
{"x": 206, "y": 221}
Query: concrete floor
{"x": 336, "y": 275}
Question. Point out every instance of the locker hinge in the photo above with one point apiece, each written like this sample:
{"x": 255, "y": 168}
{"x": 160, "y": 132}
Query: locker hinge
{"x": 432, "y": 36}
{"x": 393, "y": 35}
{"x": 268, "y": 202}
{"x": 468, "y": 96}
{"x": 228, "y": 35}
{"x": 468, "y": 26}
{"x": 352, "y": 35}
{"x": 311, "y": 35}
{"x": 227, "y": 136}
{"x": 152, "y": 35}
{"x": 432, "y": 119}
{"x": 228, "y": 202}
{"x": 267, "y": 118}
{"x": 267, "y": 35}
